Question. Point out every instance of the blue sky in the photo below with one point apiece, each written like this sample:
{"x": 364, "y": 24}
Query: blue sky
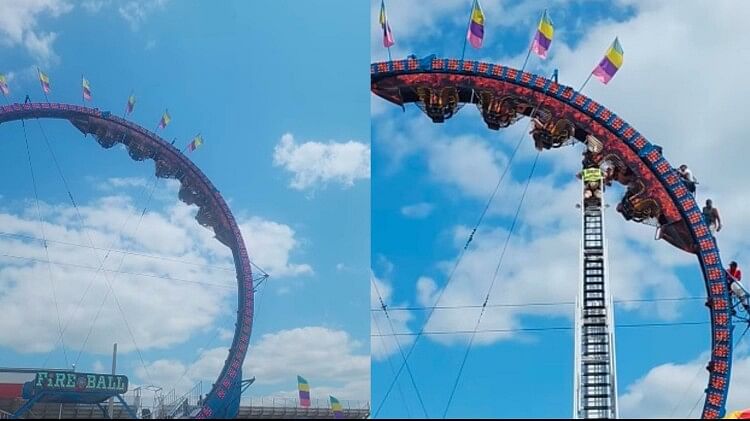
{"x": 430, "y": 183}
{"x": 279, "y": 92}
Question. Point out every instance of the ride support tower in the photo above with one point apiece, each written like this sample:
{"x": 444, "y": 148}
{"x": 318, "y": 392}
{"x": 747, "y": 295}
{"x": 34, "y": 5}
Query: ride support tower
{"x": 595, "y": 379}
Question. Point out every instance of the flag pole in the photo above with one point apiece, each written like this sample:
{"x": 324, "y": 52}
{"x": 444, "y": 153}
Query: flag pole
{"x": 386, "y": 27}
{"x": 83, "y": 96}
{"x": 528, "y": 53}
{"x": 585, "y": 82}
{"x": 166, "y": 111}
{"x": 468, "y": 28}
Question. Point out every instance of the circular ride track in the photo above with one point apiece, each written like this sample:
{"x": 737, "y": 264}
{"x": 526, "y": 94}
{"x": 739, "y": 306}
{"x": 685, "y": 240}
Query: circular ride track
{"x": 655, "y": 192}
{"x": 195, "y": 188}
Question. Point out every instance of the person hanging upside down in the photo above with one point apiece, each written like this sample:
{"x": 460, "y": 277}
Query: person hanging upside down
{"x": 734, "y": 276}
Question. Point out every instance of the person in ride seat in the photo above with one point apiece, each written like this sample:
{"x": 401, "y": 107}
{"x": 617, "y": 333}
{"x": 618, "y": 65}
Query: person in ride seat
{"x": 592, "y": 177}
{"x": 734, "y": 276}
{"x": 688, "y": 178}
{"x": 711, "y": 216}
{"x": 538, "y": 129}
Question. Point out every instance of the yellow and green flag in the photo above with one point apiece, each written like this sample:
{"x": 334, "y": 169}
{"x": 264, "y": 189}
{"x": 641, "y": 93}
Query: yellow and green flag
{"x": 165, "y": 119}
{"x": 195, "y": 143}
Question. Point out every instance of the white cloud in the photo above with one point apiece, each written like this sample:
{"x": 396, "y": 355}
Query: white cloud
{"x": 329, "y": 359}
{"x": 19, "y": 26}
{"x": 118, "y": 183}
{"x": 135, "y": 12}
{"x": 671, "y": 390}
{"x": 166, "y": 312}
{"x": 270, "y": 244}
{"x": 418, "y": 210}
{"x": 467, "y": 163}
{"x": 92, "y": 6}
{"x": 317, "y": 164}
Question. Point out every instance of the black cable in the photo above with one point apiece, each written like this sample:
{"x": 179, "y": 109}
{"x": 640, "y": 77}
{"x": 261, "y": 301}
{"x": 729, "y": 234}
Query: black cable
{"x": 462, "y": 252}
{"x": 147, "y": 275}
{"x": 91, "y": 243}
{"x": 134, "y": 253}
{"x": 393, "y": 370}
{"x": 119, "y": 266}
{"x": 541, "y": 304}
{"x": 401, "y": 350}
{"x": 452, "y": 272}
{"x": 44, "y": 241}
{"x": 492, "y": 284}
{"x": 547, "y": 329}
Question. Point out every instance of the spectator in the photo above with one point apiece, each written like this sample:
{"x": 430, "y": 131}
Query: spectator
{"x": 711, "y": 216}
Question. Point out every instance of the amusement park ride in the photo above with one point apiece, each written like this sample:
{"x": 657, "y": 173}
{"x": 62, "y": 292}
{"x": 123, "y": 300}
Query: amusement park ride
{"x": 73, "y": 394}
{"x": 655, "y": 195}
{"x": 195, "y": 188}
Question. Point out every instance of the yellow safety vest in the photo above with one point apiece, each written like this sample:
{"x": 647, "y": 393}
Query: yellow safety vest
{"x": 592, "y": 175}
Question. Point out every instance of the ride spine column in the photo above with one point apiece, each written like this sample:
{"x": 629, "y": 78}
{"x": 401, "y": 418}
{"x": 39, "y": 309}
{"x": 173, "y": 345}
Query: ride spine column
{"x": 595, "y": 380}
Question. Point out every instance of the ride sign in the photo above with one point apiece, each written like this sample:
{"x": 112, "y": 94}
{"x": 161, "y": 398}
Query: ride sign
{"x": 60, "y": 381}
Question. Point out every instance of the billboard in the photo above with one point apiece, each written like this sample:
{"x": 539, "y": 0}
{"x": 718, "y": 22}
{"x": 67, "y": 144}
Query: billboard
{"x": 57, "y": 381}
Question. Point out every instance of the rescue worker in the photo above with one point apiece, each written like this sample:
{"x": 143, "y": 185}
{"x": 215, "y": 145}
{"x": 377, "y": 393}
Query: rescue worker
{"x": 711, "y": 216}
{"x": 688, "y": 178}
{"x": 592, "y": 179}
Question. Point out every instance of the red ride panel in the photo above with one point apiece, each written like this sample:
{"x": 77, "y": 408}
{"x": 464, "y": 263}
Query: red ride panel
{"x": 10, "y": 390}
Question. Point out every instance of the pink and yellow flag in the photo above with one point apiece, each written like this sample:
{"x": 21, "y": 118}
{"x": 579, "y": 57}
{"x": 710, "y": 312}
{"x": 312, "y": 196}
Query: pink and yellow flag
{"x": 131, "y": 104}
{"x": 86, "y": 89}
{"x": 304, "y": 392}
{"x": 44, "y": 80}
{"x": 610, "y": 64}
{"x": 475, "y": 34}
{"x": 543, "y": 37}
{"x": 4, "y": 85}
{"x": 387, "y": 35}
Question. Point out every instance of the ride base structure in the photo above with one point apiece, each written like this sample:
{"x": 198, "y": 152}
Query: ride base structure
{"x": 68, "y": 387}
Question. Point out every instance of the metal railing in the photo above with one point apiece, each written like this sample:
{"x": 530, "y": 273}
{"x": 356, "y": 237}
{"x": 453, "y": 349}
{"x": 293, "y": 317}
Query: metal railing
{"x": 284, "y": 402}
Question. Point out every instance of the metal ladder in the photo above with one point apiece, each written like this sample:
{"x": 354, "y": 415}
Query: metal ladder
{"x": 595, "y": 383}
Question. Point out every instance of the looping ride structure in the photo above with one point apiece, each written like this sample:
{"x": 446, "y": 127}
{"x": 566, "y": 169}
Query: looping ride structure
{"x": 195, "y": 188}
{"x": 560, "y": 116}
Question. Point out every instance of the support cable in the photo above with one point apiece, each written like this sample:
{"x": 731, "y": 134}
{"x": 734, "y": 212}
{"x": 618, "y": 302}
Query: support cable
{"x": 91, "y": 243}
{"x": 401, "y": 350}
{"x": 492, "y": 284}
{"x": 44, "y": 243}
{"x": 390, "y": 365}
{"x": 453, "y": 270}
